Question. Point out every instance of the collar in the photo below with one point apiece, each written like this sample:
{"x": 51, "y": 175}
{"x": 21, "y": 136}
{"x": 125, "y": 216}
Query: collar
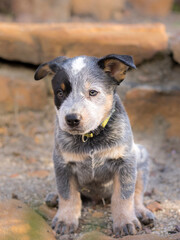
{"x": 91, "y": 134}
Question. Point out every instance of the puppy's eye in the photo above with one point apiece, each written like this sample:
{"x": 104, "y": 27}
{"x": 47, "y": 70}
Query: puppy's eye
{"x": 93, "y": 93}
{"x": 60, "y": 93}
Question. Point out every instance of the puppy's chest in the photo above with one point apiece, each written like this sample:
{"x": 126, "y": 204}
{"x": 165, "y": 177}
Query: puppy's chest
{"x": 93, "y": 168}
{"x": 98, "y": 157}
{"x": 85, "y": 162}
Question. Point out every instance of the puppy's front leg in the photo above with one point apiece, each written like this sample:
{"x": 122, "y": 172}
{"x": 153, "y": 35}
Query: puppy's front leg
{"x": 122, "y": 202}
{"x": 66, "y": 219}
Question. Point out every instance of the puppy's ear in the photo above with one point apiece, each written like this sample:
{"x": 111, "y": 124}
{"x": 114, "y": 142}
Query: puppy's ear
{"x": 116, "y": 66}
{"x": 49, "y": 67}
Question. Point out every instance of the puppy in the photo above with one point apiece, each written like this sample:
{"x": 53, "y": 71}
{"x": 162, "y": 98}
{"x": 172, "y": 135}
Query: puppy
{"x": 94, "y": 153}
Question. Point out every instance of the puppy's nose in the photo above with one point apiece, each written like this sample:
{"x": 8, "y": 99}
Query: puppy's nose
{"x": 73, "y": 120}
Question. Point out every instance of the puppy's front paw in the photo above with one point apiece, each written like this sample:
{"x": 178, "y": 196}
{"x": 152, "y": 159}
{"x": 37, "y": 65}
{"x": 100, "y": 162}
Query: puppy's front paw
{"x": 64, "y": 223}
{"x": 125, "y": 226}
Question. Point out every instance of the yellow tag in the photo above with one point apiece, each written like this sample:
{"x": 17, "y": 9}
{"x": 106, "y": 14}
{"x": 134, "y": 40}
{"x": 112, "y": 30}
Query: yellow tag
{"x": 104, "y": 123}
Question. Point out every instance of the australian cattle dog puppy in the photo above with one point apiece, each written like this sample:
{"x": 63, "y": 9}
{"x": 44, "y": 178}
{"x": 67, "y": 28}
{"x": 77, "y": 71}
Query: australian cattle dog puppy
{"x": 94, "y": 153}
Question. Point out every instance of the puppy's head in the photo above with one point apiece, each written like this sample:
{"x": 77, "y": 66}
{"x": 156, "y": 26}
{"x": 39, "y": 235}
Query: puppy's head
{"x": 83, "y": 88}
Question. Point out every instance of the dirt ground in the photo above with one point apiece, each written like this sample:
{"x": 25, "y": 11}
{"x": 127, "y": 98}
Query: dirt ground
{"x": 27, "y": 171}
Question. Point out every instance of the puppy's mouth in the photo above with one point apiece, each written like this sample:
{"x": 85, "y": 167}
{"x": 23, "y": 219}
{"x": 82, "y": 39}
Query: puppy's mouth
{"x": 75, "y": 131}
{"x": 78, "y": 130}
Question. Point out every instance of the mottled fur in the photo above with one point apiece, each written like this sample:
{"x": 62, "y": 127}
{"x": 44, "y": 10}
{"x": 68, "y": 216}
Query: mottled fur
{"x": 105, "y": 165}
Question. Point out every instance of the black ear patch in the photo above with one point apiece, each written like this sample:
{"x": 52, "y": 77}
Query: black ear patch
{"x": 116, "y": 66}
{"x": 50, "y": 67}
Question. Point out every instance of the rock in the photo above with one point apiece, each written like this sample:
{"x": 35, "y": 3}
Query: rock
{"x": 157, "y": 8}
{"x": 38, "y": 174}
{"x": 36, "y": 43}
{"x": 3, "y": 131}
{"x": 100, "y": 10}
{"x": 15, "y": 175}
{"x": 41, "y": 11}
{"x": 154, "y": 72}
{"x": 94, "y": 235}
{"x": 147, "y": 230}
{"x": 100, "y": 236}
{"x": 172, "y": 231}
{"x": 38, "y": 139}
{"x": 149, "y": 108}
{"x": 14, "y": 196}
{"x": 18, "y": 221}
{"x": 20, "y": 91}
{"x": 5, "y": 6}
{"x": 175, "y": 47}
{"x": 177, "y": 228}
{"x": 154, "y": 206}
{"x": 97, "y": 214}
{"x": 174, "y": 236}
{"x": 145, "y": 237}
{"x": 47, "y": 212}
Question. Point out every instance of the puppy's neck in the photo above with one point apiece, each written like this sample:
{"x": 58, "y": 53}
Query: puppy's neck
{"x": 98, "y": 130}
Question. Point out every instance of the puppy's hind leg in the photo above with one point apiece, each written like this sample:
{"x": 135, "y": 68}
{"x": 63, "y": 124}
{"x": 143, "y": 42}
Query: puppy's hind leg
{"x": 142, "y": 213}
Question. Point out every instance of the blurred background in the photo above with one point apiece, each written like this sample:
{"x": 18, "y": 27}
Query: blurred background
{"x": 89, "y": 10}
{"x": 35, "y": 31}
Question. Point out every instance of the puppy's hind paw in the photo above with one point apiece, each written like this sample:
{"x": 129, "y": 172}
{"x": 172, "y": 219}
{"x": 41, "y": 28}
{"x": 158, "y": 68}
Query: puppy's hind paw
{"x": 51, "y": 200}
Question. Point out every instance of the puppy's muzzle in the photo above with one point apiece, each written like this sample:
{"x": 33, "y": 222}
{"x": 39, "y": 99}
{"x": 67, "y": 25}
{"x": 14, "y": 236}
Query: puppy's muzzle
{"x": 73, "y": 120}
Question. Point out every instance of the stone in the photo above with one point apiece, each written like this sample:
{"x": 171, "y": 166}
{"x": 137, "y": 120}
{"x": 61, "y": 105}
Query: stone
{"x": 159, "y": 8}
{"x": 175, "y": 236}
{"x": 100, "y": 236}
{"x": 41, "y": 11}
{"x": 145, "y": 237}
{"x": 47, "y": 212}
{"x": 18, "y": 221}
{"x": 151, "y": 110}
{"x": 94, "y": 235}
{"x": 154, "y": 206}
{"x": 5, "y": 6}
{"x": 3, "y": 131}
{"x": 177, "y": 228}
{"x": 100, "y": 10}
{"x": 20, "y": 91}
{"x": 38, "y": 174}
{"x": 175, "y": 47}
{"x": 37, "y": 43}
{"x": 97, "y": 214}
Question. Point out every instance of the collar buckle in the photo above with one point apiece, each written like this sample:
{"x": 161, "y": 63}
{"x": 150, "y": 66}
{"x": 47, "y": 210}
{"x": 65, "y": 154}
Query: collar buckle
{"x": 86, "y": 136}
